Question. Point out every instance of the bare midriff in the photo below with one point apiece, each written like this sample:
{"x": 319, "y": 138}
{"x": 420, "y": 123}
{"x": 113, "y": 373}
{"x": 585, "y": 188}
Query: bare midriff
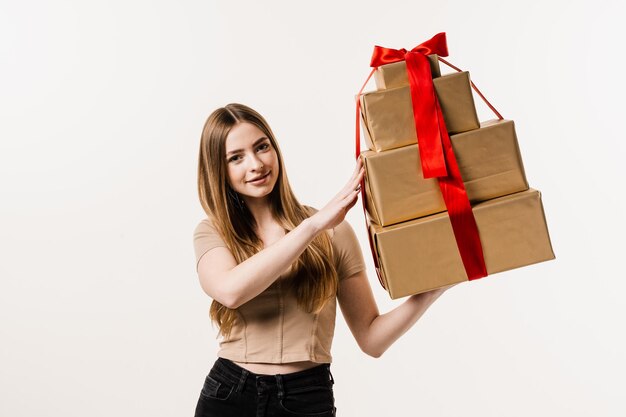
{"x": 277, "y": 368}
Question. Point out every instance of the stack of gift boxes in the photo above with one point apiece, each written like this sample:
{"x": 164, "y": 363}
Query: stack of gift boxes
{"x": 412, "y": 237}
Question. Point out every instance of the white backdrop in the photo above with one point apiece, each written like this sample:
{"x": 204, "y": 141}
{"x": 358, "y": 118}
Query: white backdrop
{"x": 102, "y": 104}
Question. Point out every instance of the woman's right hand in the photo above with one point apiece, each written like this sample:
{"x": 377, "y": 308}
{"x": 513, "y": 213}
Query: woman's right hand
{"x": 335, "y": 211}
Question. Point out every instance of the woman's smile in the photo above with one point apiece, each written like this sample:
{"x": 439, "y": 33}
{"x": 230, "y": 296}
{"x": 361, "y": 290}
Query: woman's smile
{"x": 261, "y": 181}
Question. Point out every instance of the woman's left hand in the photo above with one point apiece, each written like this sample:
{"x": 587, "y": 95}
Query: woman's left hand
{"x": 438, "y": 291}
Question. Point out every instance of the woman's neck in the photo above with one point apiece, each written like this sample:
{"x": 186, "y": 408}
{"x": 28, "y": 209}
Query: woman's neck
{"x": 262, "y": 213}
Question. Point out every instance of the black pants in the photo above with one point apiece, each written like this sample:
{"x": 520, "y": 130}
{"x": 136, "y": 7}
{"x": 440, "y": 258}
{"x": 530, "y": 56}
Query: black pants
{"x": 230, "y": 390}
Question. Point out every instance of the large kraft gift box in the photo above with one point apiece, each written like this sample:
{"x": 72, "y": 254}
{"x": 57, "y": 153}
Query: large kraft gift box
{"x": 387, "y": 115}
{"x": 395, "y": 75}
{"x": 488, "y": 158}
{"x": 420, "y": 255}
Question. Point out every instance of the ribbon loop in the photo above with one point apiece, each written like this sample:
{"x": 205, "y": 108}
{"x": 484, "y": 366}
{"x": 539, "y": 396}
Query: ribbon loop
{"x": 435, "y": 45}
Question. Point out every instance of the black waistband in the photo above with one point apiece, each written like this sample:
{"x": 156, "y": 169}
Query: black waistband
{"x": 237, "y": 375}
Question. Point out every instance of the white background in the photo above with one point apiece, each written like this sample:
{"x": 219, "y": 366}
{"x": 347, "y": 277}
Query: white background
{"x": 101, "y": 108}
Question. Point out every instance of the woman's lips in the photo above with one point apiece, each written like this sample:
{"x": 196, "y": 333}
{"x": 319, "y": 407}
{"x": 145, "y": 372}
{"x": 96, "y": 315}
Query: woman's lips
{"x": 260, "y": 180}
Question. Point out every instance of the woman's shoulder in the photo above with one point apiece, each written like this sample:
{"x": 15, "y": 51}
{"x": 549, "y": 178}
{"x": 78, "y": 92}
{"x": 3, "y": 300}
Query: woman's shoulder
{"x": 205, "y": 225}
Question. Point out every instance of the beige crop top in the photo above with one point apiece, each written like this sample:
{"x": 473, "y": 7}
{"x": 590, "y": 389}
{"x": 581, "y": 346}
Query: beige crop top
{"x": 271, "y": 328}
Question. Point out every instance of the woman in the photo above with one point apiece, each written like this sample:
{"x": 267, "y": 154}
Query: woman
{"x": 275, "y": 269}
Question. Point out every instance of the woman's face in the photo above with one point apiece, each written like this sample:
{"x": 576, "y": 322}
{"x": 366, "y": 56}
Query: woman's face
{"x": 250, "y": 156}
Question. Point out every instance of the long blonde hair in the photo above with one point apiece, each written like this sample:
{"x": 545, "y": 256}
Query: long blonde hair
{"x": 313, "y": 275}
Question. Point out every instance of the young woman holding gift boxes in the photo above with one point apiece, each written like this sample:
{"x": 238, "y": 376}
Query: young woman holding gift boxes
{"x": 275, "y": 270}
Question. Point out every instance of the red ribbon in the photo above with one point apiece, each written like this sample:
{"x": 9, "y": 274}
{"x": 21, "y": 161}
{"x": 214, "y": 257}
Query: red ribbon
{"x": 437, "y": 156}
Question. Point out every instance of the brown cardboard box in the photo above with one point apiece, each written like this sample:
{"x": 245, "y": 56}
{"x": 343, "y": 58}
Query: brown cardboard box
{"x": 394, "y": 75}
{"x": 489, "y": 161}
{"x": 421, "y": 255}
{"x": 388, "y": 114}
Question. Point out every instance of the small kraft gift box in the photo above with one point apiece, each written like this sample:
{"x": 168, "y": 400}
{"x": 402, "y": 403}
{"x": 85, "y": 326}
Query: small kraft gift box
{"x": 388, "y": 116}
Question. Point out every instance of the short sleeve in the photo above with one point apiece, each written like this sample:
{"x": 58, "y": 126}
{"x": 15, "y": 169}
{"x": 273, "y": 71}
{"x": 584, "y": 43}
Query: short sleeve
{"x": 348, "y": 254}
{"x": 205, "y": 238}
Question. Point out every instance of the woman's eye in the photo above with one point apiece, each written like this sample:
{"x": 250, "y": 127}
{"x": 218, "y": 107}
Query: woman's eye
{"x": 262, "y": 147}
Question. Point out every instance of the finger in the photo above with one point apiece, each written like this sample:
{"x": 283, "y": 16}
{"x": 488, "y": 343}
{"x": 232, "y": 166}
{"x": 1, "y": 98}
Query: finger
{"x": 357, "y": 167}
{"x": 356, "y": 183}
{"x": 353, "y": 203}
{"x": 350, "y": 197}
{"x": 359, "y": 172}
{"x": 358, "y": 178}
{"x": 351, "y": 184}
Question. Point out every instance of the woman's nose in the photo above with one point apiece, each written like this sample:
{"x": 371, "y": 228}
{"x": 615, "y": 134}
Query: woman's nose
{"x": 255, "y": 162}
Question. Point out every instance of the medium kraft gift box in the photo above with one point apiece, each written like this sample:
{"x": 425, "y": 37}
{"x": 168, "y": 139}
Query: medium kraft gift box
{"x": 395, "y": 75}
{"x": 387, "y": 115}
{"x": 488, "y": 158}
{"x": 422, "y": 254}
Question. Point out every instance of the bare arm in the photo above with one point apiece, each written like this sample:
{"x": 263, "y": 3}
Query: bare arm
{"x": 375, "y": 332}
{"x": 234, "y": 284}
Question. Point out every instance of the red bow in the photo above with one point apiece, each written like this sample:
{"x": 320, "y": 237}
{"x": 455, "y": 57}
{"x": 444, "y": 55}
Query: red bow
{"x": 435, "y": 45}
